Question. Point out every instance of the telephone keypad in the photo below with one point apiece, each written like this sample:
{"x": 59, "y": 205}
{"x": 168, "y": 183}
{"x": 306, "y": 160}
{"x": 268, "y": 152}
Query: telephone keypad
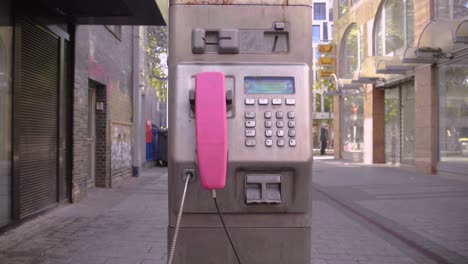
{"x": 250, "y": 133}
{"x": 249, "y": 101}
{"x": 250, "y": 123}
{"x": 276, "y": 101}
{"x": 280, "y": 142}
{"x": 280, "y": 133}
{"x": 250, "y": 114}
{"x": 250, "y": 142}
{"x": 290, "y": 101}
{"x": 283, "y": 137}
{"x": 292, "y": 142}
{"x": 292, "y": 133}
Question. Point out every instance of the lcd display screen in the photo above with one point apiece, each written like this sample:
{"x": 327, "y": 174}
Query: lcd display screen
{"x": 269, "y": 85}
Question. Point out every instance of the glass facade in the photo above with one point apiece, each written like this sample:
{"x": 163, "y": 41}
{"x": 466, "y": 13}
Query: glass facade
{"x": 399, "y": 124}
{"x": 452, "y": 9}
{"x": 352, "y": 53}
{"x": 352, "y": 127}
{"x": 453, "y": 114}
{"x": 342, "y": 8}
{"x": 394, "y": 27}
{"x": 6, "y": 42}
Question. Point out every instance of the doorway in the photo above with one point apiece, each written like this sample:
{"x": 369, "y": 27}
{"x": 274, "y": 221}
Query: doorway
{"x": 92, "y": 135}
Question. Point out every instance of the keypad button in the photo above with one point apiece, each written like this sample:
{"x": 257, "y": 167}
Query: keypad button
{"x": 292, "y": 132}
{"x": 280, "y": 133}
{"x": 292, "y": 142}
{"x": 276, "y": 101}
{"x": 279, "y": 123}
{"x": 249, "y": 114}
{"x": 250, "y": 142}
{"x": 263, "y": 101}
{"x": 269, "y": 142}
{"x": 249, "y": 101}
{"x": 250, "y": 133}
{"x": 291, "y": 115}
{"x": 291, "y": 124}
{"x": 268, "y": 123}
{"x": 250, "y": 123}
{"x": 280, "y": 142}
{"x": 268, "y": 133}
{"x": 290, "y": 101}
{"x": 279, "y": 115}
{"x": 267, "y": 114}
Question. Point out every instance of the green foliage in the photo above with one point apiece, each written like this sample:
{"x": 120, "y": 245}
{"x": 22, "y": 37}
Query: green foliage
{"x": 156, "y": 49}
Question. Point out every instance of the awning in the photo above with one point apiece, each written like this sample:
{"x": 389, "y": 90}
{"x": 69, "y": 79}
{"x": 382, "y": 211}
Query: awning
{"x": 368, "y": 74}
{"x": 344, "y": 87}
{"x": 435, "y": 42}
{"x": 101, "y": 12}
{"x": 460, "y": 30}
{"x": 393, "y": 65}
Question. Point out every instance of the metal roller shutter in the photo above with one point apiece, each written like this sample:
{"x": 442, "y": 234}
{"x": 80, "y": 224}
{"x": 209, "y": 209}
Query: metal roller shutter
{"x": 65, "y": 133}
{"x": 37, "y": 106}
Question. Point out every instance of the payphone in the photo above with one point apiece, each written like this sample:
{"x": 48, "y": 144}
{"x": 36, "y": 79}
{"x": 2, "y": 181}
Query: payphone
{"x": 240, "y": 122}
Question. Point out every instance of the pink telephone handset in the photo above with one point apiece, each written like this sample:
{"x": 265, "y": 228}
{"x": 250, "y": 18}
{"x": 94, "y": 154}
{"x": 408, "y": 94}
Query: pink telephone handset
{"x": 211, "y": 129}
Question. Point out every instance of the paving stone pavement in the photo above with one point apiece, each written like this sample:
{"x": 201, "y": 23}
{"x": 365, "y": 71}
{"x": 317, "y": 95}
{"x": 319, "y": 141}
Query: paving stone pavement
{"x": 353, "y": 207}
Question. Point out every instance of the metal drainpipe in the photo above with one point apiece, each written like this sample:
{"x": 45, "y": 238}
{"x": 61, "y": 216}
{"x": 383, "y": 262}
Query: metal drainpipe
{"x": 136, "y": 160}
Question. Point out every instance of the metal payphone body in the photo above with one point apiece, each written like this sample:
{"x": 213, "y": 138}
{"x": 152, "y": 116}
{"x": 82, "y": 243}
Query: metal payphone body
{"x": 264, "y": 51}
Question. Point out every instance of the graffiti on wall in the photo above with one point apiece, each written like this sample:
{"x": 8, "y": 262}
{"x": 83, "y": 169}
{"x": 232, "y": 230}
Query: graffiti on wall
{"x": 121, "y": 149}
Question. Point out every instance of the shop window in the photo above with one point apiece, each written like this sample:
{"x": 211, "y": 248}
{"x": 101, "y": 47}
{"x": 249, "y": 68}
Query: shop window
{"x": 352, "y": 52}
{"x": 394, "y": 29}
{"x": 315, "y": 34}
{"x": 342, "y": 7}
{"x": 5, "y": 124}
{"x": 453, "y": 113}
{"x": 352, "y": 127}
{"x": 452, "y": 9}
{"x": 320, "y": 12}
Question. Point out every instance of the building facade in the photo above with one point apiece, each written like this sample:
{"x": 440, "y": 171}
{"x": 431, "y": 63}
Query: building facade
{"x": 411, "y": 59}
{"x": 322, "y": 33}
{"x": 67, "y": 93}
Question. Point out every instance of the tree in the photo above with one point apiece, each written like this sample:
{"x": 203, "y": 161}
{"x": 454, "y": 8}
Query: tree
{"x": 156, "y": 48}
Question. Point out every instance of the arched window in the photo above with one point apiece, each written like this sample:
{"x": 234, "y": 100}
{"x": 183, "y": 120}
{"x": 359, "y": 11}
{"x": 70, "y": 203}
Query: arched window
{"x": 351, "y": 52}
{"x": 394, "y": 29}
{"x": 452, "y": 9}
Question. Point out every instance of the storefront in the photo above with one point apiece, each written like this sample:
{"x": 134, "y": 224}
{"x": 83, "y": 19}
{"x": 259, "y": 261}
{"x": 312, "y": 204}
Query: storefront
{"x": 453, "y": 116}
{"x": 352, "y": 127}
{"x": 399, "y": 124}
{"x": 352, "y": 107}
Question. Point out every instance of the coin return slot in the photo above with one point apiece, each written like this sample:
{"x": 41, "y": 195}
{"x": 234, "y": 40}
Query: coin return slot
{"x": 263, "y": 189}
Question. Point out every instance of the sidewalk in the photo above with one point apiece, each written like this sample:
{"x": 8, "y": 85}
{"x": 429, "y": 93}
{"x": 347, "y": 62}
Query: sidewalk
{"x": 360, "y": 215}
{"x": 425, "y": 216}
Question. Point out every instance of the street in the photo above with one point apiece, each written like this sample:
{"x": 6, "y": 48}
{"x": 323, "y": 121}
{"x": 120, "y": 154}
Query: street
{"x": 361, "y": 214}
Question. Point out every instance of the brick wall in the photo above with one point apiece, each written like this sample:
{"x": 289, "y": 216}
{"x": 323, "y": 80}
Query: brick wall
{"x": 104, "y": 56}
